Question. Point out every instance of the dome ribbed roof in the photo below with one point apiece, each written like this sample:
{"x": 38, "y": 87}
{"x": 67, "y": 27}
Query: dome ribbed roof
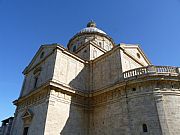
{"x": 92, "y": 30}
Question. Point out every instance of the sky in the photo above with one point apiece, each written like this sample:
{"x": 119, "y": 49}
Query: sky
{"x": 27, "y": 24}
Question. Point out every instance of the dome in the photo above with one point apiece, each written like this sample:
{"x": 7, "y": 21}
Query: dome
{"x": 87, "y": 34}
{"x": 92, "y": 30}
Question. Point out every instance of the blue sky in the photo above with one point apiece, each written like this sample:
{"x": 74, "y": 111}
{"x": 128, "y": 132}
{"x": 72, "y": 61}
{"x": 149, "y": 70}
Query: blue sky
{"x": 27, "y": 24}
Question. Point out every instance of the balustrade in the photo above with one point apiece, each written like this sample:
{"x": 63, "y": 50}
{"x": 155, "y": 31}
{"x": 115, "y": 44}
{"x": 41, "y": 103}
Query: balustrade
{"x": 151, "y": 70}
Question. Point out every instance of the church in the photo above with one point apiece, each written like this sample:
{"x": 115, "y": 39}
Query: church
{"x": 97, "y": 87}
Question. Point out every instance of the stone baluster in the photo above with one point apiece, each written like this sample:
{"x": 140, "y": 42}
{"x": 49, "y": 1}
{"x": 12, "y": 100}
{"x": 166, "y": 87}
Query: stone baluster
{"x": 178, "y": 70}
{"x": 151, "y": 69}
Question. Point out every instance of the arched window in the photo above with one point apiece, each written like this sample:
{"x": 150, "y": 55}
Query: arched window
{"x": 74, "y": 48}
{"x": 144, "y": 126}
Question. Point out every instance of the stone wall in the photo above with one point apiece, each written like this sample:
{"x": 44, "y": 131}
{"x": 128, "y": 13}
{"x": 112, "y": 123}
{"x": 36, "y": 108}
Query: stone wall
{"x": 38, "y": 106}
{"x": 167, "y": 95}
{"x": 84, "y": 53}
{"x": 106, "y": 69}
{"x": 124, "y": 110}
{"x": 71, "y": 72}
{"x": 171, "y": 106}
{"x": 142, "y": 109}
{"x": 109, "y": 116}
{"x": 67, "y": 114}
{"x": 95, "y": 52}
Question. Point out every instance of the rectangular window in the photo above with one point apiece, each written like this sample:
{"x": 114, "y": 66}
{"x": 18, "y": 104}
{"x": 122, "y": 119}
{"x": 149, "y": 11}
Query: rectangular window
{"x": 25, "y": 132}
{"x": 35, "y": 81}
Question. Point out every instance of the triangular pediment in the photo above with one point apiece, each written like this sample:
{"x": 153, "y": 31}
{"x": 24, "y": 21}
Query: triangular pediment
{"x": 40, "y": 55}
{"x": 27, "y": 114}
{"x": 136, "y": 53}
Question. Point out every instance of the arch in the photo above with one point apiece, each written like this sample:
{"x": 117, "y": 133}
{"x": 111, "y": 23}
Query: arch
{"x": 144, "y": 127}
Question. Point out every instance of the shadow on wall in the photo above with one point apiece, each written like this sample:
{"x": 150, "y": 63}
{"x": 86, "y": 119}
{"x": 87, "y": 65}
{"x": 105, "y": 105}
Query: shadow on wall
{"x": 78, "y": 120}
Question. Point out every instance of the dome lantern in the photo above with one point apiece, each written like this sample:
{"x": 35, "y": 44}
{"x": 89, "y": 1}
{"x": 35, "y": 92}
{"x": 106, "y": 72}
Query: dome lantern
{"x": 91, "y": 24}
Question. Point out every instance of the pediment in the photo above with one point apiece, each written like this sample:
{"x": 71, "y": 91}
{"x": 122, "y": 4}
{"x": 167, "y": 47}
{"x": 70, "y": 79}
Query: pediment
{"x": 40, "y": 55}
{"x": 27, "y": 114}
{"x": 136, "y": 53}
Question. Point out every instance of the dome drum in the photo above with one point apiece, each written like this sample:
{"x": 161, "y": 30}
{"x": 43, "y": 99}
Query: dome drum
{"x": 84, "y": 35}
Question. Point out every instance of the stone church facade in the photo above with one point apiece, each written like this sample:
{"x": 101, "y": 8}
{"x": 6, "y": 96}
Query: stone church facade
{"x": 95, "y": 87}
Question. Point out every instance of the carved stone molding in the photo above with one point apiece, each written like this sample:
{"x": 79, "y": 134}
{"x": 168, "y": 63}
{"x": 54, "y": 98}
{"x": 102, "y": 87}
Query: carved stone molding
{"x": 27, "y": 117}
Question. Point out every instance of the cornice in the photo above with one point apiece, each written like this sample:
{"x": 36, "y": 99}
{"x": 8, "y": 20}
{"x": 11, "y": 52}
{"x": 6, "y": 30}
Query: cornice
{"x": 50, "y": 85}
{"x": 135, "y": 80}
{"x": 50, "y": 92}
{"x": 121, "y": 83}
